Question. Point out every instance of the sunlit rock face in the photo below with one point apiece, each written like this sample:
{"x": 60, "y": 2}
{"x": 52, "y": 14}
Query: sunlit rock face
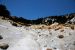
{"x": 36, "y": 37}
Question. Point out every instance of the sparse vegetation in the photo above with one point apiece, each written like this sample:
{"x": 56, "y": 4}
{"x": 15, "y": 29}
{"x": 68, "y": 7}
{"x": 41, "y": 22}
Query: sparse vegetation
{"x": 72, "y": 26}
{"x": 14, "y": 24}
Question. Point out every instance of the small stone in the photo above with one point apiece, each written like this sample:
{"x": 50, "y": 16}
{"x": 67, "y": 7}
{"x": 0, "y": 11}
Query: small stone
{"x": 4, "y": 46}
{"x": 60, "y": 36}
{"x": 72, "y": 27}
{"x": 48, "y": 49}
{"x": 70, "y": 34}
{"x": 45, "y": 45}
{"x": 55, "y": 48}
{"x": 50, "y": 33}
{"x": 39, "y": 35}
{"x": 38, "y": 32}
{"x": 62, "y": 30}
{"x": 1, "y": 37}
{"x": 74, "y": 43}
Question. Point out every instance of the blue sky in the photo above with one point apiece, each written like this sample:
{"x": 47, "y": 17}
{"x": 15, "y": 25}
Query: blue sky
{"x": 33, "y": 9}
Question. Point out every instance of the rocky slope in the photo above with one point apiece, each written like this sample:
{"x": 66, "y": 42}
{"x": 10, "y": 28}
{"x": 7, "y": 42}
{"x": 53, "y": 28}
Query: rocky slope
{"x": 14, "y": 36}
{"x": 62, "y": 19}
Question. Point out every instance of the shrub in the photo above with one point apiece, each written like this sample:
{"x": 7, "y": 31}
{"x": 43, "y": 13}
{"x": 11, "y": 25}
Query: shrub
{"x": 14, "y": 24}
{"x": 3, "y": 11}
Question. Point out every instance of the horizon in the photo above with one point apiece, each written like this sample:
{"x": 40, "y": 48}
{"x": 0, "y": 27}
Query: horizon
{"x": 31, "y": 9}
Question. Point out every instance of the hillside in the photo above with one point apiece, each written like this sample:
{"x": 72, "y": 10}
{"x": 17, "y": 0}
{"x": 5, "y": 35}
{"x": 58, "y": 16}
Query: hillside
{"x": 18, "y": 34}
{"x": 62, "y": 19}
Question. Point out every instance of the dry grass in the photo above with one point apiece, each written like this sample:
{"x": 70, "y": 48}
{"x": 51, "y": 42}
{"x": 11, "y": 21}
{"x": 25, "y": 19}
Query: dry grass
{"x": 52, "y": 26}
{"x": 72, "y": 26}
